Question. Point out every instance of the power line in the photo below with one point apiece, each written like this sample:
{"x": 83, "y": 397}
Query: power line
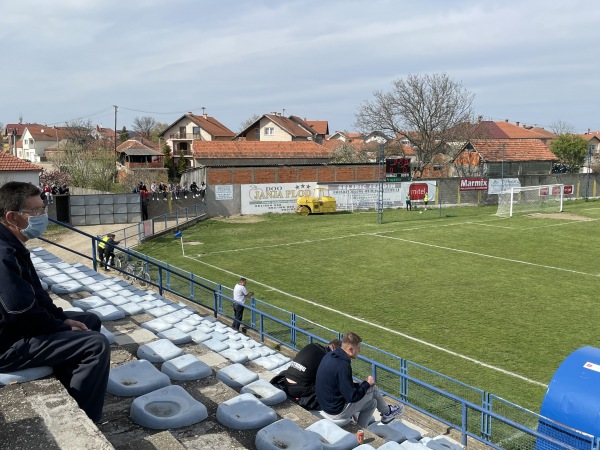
{"x": 157, "y": 112}
{"x": 97, "y": 113}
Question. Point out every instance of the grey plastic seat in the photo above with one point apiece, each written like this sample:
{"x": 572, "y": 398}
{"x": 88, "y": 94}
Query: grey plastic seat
{"x": 175, "y": 335}
{"x": 265, "y": 392}
{"x": 365, "y": 447}
{"x": 338, "y": 422}
{"x": 234, "y": 356}
{"x": 215, "y": 345}
{"x": 136, "y": 378}
{"x": 156, "y": 325}
{"x": 159, "y": 351}
{"x": 117, "y": 300}
{"x": 236, "y": 376}
{"x": 245, "y": 412}
{"x": 131, "y": 308}
{"x": 286, "y": 434}
{"x": 333, "y": 437}
{"x": 186, "y": 367}
{"x": 395, "y": 431}
{"x": 90, "y": 302}
{"x": 22, "y": 376}
{"x": 110, "y": 336}
{"x": 411, "y": 444}
{"x": 441, "y": 443}
{"x": 108, "y": 312}
{"x": 170, "y": 407}
{"x": 199, "y": 336}
{"x": 67, "y": 287}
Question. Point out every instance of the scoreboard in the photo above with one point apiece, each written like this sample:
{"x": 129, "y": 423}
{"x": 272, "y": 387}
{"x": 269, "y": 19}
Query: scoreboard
{"x": 397, "y": 169}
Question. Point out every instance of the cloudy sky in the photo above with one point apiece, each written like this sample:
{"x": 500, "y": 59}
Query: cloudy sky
{"x": 533, "y": 61}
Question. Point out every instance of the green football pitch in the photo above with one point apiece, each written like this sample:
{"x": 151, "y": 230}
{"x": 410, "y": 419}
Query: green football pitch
{"x": 496, "y": 303}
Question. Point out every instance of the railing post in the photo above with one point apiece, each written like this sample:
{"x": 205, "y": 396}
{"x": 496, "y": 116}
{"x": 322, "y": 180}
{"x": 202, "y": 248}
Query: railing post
{"x": 160, "y": 280}
{"x": 169, "y": 276}
{"x": 293, "y": 329}
{"x": 463, "y": 426}
{"x": 253, "y": 315}
{"x": 177, "y": 217}
{"x": 403, "y": 379}
{"x": 219, "y": 304}
{"x": 192, "y": 287}
{"x": 94, "y": 257}
{"x": 486, "y": 420}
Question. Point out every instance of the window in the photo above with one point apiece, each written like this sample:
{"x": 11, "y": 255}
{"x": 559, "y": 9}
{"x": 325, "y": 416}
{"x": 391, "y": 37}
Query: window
{"x": 196, "y": 130}
{"x": 269, "y": 131}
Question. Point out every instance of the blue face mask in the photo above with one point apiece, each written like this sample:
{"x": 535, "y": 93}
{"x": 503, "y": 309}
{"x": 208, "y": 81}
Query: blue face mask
{"x": 37, "y": 226}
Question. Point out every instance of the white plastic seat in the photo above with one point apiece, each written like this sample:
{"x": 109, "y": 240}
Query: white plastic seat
{"x": 245, "y": 412}
{"x": 67, "y": 287}
{"x": 265, "y": 392}
{"x": 159, "y": 351}
{"x": 333, "y": 437}
{"x": 136, "y": 378}
{"x": 411, "y": 444}
{"x": 175, "y": 335}
{"x": 170, "y": 407}
{"x": 131, "y": 308}
{"x": 285, "y": 433}
{"x": 90, "y": 302}
{"x": 156, "y": 325}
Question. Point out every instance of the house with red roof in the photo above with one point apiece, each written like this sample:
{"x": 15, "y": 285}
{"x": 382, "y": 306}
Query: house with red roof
{"x": 36, "y": 139}
{"x": 593, "y": 160}
{"x": 16, "y": 169}
{"x": 253, "y": 153}
{"x": 504, "y": 157}
{"x": 141, "y": 159}
{"x": 14, "y": 133}
{"x": 275, "y": 127}
{"x": 487, "y": 129}
{"x": 190, "y": 128}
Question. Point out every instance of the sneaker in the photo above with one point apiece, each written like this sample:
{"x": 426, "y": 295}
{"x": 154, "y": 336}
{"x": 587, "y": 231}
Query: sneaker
{"x": 394, "y": 411}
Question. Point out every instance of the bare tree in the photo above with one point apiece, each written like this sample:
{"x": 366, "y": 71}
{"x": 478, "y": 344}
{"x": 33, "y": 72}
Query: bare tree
{"x": 249, "y": 121}
{"x": 158, "y": 128}
{"x": 561, "y": 127}
{"x": 426, "y": 109}
{"x": 144, "y": 126}
{"x": 88, "y": 158}
{"x": 348, "y": 153}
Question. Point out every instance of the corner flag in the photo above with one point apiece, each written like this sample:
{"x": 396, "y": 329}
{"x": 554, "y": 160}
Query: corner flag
{"x": 179, "y": 235}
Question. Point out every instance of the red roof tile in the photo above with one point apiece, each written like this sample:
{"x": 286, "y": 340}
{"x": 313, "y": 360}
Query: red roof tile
{"x": 9, "y": 162}
{"x": 258, "y": 149}
{"x": 291, "y": 125}
{"x": 18, "y": 127}
{"x": 211, "y": 125}
{"x": 46, "y": 133}
{"x": 487, "y": 129}
{"x": 319, "y": 126}
{"x": 491, "y": 150}
{"x": 138, "y": 144}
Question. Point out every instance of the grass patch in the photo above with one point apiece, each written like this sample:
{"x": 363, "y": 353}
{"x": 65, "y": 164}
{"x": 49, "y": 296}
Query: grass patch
{"x": 495, "y": 303}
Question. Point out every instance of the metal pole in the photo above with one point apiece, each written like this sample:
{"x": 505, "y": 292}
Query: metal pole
{"x": 380, "y": 186}
{"x": 589, "y": 169}
{"x": 502, "y": 167}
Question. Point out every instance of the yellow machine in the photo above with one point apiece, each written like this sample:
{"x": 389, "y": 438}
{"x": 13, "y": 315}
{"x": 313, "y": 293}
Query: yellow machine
{"x": 319, "y": 204}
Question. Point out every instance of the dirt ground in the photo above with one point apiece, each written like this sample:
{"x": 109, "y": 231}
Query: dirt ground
{"x": 560, "y": 216}
{"x": 72, "y": 240}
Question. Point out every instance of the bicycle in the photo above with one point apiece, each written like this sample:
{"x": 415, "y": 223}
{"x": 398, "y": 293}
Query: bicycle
{"x": 133, "y": 271}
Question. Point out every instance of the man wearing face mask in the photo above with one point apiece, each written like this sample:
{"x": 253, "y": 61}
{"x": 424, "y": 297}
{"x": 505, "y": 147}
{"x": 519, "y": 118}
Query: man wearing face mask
{"x": 33, "y": 331}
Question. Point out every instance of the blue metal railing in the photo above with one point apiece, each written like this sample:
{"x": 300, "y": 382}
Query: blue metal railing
{"x": 475, "y": 413}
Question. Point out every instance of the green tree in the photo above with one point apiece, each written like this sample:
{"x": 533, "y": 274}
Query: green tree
{"x": 124, "y": 134}
{"x": 426, "y": 109}
{"x": 168, "y": 161}
{"x": 570, "y": 149}
{"x": 347, "y": 153}
{"x": 181, "y": 164}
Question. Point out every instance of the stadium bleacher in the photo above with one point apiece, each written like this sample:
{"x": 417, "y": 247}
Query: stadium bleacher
{"x": 179, "y": 379}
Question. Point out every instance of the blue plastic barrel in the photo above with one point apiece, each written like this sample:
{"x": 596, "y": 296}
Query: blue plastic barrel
{"x": 572, "y": 400}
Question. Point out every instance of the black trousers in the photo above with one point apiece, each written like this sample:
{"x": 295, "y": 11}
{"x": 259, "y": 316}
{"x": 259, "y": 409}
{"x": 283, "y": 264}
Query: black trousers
{"x": 81, "y": 361}
{"x": 238, "y": 314}
{"x": 101, "y": 256}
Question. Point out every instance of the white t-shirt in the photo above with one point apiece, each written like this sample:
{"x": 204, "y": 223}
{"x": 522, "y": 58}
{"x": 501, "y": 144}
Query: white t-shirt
{"x": 239, "y": 293}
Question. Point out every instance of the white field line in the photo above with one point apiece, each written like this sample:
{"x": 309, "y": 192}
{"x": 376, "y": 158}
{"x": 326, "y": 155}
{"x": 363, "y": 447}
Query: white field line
{"x": 387, "y": 330}
{"x": 483, "y": 255}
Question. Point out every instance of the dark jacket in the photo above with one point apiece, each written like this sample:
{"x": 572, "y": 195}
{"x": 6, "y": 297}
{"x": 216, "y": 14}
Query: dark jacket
{"x": 335, "y": 386}
{"x": 26, "y": 309}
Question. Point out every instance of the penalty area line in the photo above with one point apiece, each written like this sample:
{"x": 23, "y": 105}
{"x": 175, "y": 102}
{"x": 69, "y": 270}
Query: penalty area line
{"x": 388, "y": 330}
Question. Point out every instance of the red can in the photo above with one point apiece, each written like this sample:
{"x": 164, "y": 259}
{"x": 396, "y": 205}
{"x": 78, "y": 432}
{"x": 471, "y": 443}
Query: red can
{"x": 360, "y": 436}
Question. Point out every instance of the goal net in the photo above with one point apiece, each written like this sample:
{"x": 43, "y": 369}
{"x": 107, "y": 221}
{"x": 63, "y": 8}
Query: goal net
{"x": 548, "y": 198}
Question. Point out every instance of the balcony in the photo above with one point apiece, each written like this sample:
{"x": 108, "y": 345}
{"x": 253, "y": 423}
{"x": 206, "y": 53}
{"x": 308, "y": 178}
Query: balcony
{"x": 188, "y": 136}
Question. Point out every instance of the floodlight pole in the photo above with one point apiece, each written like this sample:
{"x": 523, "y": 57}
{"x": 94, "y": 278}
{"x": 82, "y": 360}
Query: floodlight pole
{"x": 589, "y": 169}
{"x": 381, "y": 181}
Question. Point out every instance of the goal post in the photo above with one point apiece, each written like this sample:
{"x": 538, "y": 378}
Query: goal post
{"x": 529, "y": 199}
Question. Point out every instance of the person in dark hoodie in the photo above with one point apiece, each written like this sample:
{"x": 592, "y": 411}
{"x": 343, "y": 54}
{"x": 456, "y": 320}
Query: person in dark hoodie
{"x": 33, "y": 331}
{"x": 298, "y": 380}
{"x": 340, "y": 397}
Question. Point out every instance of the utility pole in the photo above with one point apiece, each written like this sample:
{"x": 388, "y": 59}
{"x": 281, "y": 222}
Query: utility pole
{"x": 115, "y": 154}
{"x": 381, "y": 181}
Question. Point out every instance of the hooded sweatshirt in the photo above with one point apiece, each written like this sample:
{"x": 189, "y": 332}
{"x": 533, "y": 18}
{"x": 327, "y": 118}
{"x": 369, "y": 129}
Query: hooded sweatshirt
{"x": 335, "y": 386}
